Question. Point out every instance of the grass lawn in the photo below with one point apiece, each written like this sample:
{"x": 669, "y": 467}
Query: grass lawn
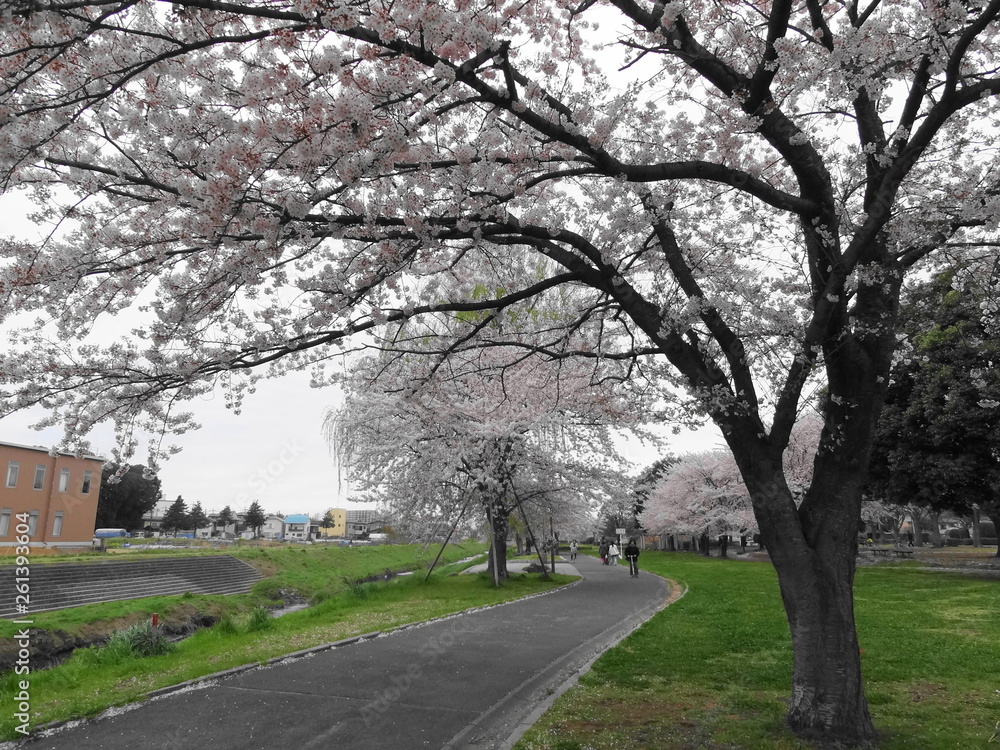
{"x": 92, "y": 681}
{"x": 713, "y": 669}
{"x": 312, "y": 573}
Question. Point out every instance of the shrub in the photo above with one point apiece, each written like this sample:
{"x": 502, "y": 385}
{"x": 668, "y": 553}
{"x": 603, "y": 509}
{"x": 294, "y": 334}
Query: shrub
{"x": 226, "y": 626}
{"x": 134, "y": 642}
{"x": 358, "y": 588}
{"x": 260, "y": 619}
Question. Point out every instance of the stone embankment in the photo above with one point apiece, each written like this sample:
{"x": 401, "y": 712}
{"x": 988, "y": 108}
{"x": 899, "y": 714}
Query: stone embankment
{"x": 62, "y": 585}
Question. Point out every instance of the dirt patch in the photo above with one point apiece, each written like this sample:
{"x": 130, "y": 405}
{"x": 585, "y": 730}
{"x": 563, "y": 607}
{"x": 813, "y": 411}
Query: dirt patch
{"x": 676, "y": 592}
{"x": 924, "y": 691}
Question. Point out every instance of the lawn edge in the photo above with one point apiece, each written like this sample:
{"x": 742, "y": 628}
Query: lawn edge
{"x": 676, "y": 592}
{"x": 198, "y": 683}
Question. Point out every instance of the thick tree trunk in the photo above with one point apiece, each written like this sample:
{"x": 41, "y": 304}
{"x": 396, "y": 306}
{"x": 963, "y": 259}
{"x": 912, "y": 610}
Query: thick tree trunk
{"x": 934, "y": 519}
{"x": 918, "y": 531}
{"x": 992, "y": 510}
{"x": 814, "y": 555}
{"x": 828, "y": 697}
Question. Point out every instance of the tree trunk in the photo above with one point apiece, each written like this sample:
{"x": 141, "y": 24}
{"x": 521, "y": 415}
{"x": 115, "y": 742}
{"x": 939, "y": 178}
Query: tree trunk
{"x": 813, "y": 552}
{"x": 723, "y": 545}
{"x": 705, "y": 546}
{"x": 992, "y": 510}
{"x": 918, "y": 531}
{"x": 828, "y": 697}
{"x": 934, "y": 518}
{"x": 499, "y": 528}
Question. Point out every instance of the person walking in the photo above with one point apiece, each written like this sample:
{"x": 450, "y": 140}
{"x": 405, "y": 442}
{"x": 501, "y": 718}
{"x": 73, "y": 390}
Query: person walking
{"x": 632, "y": 555}
{"x": 573, "y": 547}
{"x": 602, "y": 551}
{"x": 613, "y": 554}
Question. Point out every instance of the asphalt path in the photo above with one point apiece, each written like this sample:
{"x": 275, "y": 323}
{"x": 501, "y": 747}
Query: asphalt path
{"x": 475, "y": 680}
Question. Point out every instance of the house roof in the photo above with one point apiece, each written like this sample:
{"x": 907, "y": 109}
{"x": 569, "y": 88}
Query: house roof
{"x": 53, "y": 452}
{"x": 297, "y": 519}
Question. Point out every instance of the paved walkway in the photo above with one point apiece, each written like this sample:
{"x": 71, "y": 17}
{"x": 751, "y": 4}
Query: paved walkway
{"x": 476, "y": 680}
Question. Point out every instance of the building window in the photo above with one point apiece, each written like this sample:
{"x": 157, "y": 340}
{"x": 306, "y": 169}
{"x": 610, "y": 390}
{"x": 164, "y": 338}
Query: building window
{"x": 39, "y": 477}
{"x": 57, "y": 524}
{"x": 88, "y": 478}
{"x": 32, "y": 522}
{"x": 64, "y": 480}
{"x": 12, "y": 469}
{"x": 5, "y": 521}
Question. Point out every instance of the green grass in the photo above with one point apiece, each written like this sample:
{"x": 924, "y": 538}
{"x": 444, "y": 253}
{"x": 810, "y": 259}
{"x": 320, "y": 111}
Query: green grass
{"x": 713, "y": 669}
{"x": 312, "y": 572}
{"x": 78, "y": 688}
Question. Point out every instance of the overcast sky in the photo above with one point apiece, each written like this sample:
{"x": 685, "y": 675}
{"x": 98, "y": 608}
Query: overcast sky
{"x": 273, "y": 452}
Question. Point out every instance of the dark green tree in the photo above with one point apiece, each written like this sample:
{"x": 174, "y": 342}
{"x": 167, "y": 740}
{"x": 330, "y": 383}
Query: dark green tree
{"x": 647, "y": 480}
{"x": 226, "y": 517}
{"x": 938, "y": 439}
{"x": 328, "y": 521}
{"x": 176, "y": 517}
{"x": 127, "y": 495}
{"x": 197, "y": 518}
{"x": 254, "y": 518}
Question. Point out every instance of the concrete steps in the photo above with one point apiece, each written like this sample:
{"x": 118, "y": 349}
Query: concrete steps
{"x": 61, "y": 585}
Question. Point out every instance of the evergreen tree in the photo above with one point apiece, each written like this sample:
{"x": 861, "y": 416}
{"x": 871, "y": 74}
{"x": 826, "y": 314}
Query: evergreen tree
{"x": 328, "y": 521}
{"x": 127, "y": 495}
{"x": 197, "y": 518}
{"x": 648, "y": 480}
{"x": 254, "y": 518}
{"x": 939, "y": 434}
{"x": 176, "y": 517}
{"x": 226, "y": 517}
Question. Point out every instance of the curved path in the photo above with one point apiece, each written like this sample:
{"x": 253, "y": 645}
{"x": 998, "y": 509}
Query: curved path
{"x": 475, "y": 680}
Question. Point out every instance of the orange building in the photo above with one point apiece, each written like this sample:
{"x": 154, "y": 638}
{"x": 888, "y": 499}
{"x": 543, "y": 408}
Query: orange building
{"x": 53, "y": 496}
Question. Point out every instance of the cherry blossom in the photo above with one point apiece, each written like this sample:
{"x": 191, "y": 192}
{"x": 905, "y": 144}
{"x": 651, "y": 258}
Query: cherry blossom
{"x": 738, "y": 189}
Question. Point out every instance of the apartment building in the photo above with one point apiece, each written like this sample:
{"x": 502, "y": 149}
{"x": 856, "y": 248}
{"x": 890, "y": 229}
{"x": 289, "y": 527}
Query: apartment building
{"x": 51, "y": 495}
{"x": 339, "y": 528}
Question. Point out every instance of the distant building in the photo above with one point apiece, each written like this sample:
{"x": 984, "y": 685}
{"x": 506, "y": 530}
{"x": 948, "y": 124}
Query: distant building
{"x": 339, "y": 528}
{"x": 361, "y": 522}
{"x": 52, "y": 498}
{"x": 296, "y": 528}
{"x": 273, "y": 528}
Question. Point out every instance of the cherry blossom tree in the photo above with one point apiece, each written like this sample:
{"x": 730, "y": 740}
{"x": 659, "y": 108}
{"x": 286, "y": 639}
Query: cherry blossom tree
{"x": 740, "y": 188}
{"x": 510, "y": 434}
{"x": 704, "y": 493}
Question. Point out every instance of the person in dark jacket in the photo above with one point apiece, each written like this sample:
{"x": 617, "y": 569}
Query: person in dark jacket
{"x": 632, "y": 555}
{"x": 602, "y": 550}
